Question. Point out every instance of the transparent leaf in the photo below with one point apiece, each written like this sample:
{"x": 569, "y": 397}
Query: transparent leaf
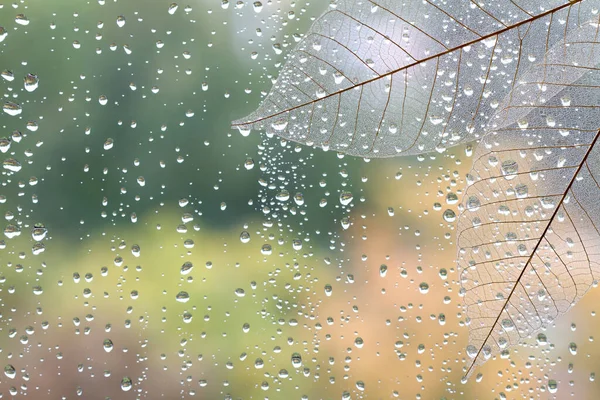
{"x": 380, "y": 78}
{"x": 529, "y": 234}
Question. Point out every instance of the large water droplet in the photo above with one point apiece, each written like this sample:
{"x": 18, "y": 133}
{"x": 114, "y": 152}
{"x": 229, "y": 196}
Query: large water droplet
{"x": 12, "y": 109}
{"x": 31, "y": 82}
{"x": 126, "y": 384}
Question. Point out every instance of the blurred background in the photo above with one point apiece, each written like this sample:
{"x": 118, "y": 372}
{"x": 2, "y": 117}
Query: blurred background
{"x": 150, "y": 252}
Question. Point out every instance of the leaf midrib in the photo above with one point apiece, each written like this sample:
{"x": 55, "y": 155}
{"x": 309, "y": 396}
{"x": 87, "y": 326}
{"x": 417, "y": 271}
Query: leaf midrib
{"x": 424, "y": 60}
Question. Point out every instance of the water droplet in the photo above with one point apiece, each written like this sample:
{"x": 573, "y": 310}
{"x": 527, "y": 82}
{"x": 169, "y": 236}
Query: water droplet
{"x": 257, "y": 6}
{"x": 126, "y": 384}
{"x": 359, "y": 343}
{"x": 449, "y": 215}
{"x": 346, "y": 198}
{"x": 507, "y": 325}
{"x": 266, "y": 249}
{"x": 297, "y": 244}
{"x": 12, "y": 109}
{"x": 423, "y": 288}
{"x": 244, "y": 237}
{"x": 328, "y": 290}
{"x": 10, "y": 371}
{"x": 443, "y": 273}
{"x": 490, "y": 42}
{"x": 523, "y": 123}
{"x": 182, "y": 297}
{"x": 473, "y": 203}
{"x": 451, "y": 198}
{"x": 521, "y": 191}
{"x": 573, "y": 348}
{"x": 383, "y": 270}
{"x": 436, "y": 120}
{"x": 552, "y": 386}
{"x": 542, "y": 339}
{"x": 108, "y": 144}
{"x": 296, "y": 360}
{"x": 7, "y": 74}
{"x": 173, "y": 8}
{"x": 186, "y": 268}
{"x": 108, "y": 345}
{"x": 284, "y": 195}
{"x": 239, "y": 292}
{"x": 280, "y": 124}
{"x": 12, "y": 165}
{"x": 21, "y": 19}
{"x": 509, "y": 169}
{"x": 121, "y": 21}
{"x": 249, "y": 163}
{"x": 31, "y": 82}
{"x": 299, "y": 199}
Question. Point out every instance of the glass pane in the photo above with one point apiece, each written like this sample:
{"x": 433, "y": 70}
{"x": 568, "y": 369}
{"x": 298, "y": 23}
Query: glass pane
{"x": 151, "y": 251}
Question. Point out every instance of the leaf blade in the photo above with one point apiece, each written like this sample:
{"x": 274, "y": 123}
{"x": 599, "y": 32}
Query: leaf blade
{"x": 442, "y": 125}
{"x": 510, "y": 244}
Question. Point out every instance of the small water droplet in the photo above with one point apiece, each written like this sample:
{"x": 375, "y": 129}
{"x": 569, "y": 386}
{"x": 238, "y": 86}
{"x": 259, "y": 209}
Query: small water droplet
{"x": 182, "y": 297}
